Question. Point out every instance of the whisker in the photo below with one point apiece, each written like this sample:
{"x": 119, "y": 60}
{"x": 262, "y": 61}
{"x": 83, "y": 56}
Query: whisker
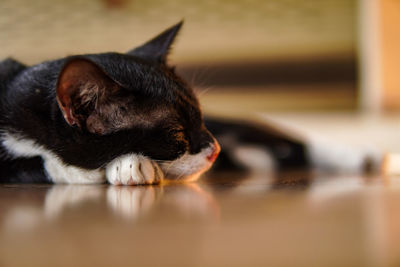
{"x": 180, "y": 176}
{"x": 170, "y": 166}
{"x": 162, "y": 161}
{"x": 199, "y": 76}
{"x": 204, "y": 91}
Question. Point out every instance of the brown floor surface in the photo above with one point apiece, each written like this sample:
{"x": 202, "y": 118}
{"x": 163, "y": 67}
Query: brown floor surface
{"x": 296, "y": 219}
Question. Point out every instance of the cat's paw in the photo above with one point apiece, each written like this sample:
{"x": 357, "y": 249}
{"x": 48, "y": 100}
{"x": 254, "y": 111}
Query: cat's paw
{"x": 133, "y": 169}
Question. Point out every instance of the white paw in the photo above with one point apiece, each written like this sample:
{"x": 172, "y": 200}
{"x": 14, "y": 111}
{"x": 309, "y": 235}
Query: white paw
{"x": 133, "y": 169}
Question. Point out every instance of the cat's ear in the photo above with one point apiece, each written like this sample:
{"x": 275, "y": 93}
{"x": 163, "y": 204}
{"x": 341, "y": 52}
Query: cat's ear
{"x": 158, "y": 47}
{"x": 81, "y": 87}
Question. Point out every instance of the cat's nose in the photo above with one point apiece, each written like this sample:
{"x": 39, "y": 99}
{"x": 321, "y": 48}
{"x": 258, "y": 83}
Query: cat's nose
{"x": 214, "y": 151}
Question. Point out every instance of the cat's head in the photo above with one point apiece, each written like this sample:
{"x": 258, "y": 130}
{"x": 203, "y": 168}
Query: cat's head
{"x": 135, "y": 103}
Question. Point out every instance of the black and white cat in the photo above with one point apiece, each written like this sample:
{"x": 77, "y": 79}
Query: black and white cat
{"x": 127, "y": 118}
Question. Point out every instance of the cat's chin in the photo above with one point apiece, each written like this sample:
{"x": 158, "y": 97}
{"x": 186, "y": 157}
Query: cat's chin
{"x": 187, "y": 178}
{"x": 190, "y": 167}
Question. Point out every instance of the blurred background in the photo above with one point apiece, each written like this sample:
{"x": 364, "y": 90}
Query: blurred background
{"x": 291, "y": 54}
{"x": 242, "y": 56}
{"x": 316, "y": 68}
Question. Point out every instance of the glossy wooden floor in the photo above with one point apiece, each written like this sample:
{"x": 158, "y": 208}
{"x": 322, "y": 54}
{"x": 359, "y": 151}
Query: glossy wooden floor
{"x": 296, "y": 219}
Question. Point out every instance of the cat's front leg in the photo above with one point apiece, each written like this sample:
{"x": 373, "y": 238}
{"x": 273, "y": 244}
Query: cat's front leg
{"x": 133, "y": 169}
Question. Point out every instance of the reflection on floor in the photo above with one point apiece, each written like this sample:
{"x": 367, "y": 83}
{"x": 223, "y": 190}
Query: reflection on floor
{"x": 226, "y": 219}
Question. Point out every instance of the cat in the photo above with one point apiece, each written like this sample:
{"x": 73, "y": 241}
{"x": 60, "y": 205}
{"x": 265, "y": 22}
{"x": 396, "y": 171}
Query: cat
{"x": 130, "y": 119}
{"x": 125, "y": 118}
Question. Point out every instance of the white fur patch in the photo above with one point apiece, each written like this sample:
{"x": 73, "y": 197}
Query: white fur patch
{"x": 57, "y": 170}
{"x": 133, "y": 169}
{"x": 188, "y": 167}
{"x": 254, "y": 157}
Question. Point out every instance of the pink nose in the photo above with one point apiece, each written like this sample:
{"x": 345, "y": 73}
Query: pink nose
{"x": 215, "y": 151}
